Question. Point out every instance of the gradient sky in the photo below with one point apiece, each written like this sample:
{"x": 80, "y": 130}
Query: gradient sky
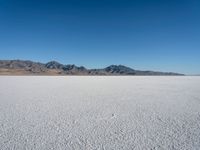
{"x": 161, "y": 35}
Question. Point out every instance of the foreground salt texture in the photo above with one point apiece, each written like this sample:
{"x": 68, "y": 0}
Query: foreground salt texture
{"x": 99, "y": 113}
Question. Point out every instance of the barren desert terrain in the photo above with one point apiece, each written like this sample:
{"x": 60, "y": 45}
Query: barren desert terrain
{"x": 92, "y": 112}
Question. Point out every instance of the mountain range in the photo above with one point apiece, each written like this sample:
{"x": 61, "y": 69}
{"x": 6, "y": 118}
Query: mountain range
{"x": 26, "y": 67}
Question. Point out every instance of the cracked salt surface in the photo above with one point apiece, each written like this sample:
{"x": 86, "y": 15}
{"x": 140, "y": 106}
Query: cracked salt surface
{"x": 99, "y": 112}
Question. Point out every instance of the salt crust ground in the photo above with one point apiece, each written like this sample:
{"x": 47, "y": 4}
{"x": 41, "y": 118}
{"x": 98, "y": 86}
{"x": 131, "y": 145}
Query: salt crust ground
{"x": 99, "y": 113}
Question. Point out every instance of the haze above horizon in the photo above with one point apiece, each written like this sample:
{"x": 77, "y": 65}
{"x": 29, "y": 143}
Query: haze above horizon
{"x": 147, "y": 35}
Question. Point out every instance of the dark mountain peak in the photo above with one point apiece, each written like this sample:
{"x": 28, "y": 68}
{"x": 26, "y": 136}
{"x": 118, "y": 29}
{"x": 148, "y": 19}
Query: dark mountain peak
{"x": 54, "y": 65}
{"x": 53, "y": 62}
{"x": 74, "y": 67}
{"x": 119, "y": 69}
{"x": 82, "y": 68}
{"x": 70, "y": 67}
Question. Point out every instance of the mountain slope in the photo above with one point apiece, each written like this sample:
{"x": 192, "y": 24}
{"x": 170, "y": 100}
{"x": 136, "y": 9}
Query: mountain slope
{"x": 21, "y": 67}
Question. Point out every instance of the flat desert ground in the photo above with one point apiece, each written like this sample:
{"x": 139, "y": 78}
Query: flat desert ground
{"x": 99, "y": 112}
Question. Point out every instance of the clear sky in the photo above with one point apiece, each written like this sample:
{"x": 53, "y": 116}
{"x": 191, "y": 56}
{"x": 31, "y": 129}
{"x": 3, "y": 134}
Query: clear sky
{"x": 161, "y": 35}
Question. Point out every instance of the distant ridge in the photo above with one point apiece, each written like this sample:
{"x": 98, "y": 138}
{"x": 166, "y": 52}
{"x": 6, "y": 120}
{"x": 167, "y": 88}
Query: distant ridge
{"x": 26, "y": 67}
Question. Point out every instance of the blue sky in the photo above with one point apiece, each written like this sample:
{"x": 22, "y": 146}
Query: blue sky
{"x": 161, "y": 35}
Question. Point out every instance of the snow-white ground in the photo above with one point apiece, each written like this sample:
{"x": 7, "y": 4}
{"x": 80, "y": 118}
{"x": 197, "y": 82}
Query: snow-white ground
{"x": 99, "y": 113}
